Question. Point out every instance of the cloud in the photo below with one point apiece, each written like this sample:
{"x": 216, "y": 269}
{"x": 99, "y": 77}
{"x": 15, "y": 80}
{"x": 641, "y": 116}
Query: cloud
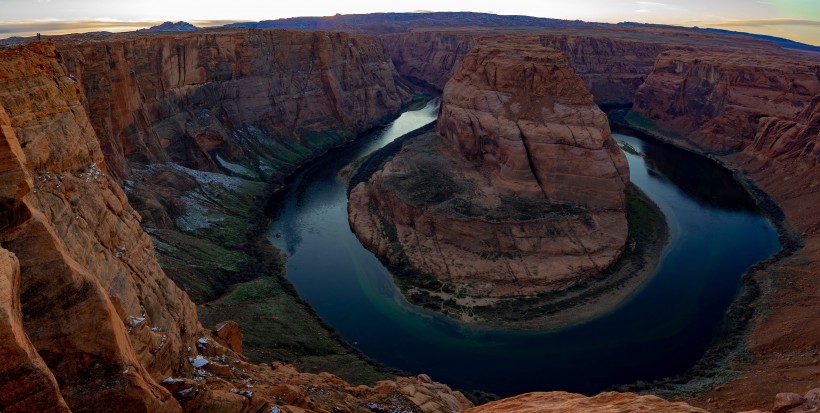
{"x": 58, "y": 27}
{"x": 645, "y": 5}
{"x": 768, "y": 22}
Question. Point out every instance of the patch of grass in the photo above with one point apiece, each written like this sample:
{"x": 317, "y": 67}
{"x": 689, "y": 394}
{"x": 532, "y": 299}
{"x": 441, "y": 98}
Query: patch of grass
{"x": 200, "y": 266}
{"x": 279, "y": 327}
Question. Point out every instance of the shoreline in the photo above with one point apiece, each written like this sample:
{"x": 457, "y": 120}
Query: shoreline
{"x": 593, "y": 297}
{"x": 598, "y": 295}
{"x": 713, "y": 367}
{"x": 268, "y": 263}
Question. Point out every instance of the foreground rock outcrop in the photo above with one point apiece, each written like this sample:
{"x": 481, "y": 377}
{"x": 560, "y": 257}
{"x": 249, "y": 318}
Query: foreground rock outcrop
{"x": 91, "y": 289}
{"x": 559, "y": 402}
{"x": 88, "y": 319}
{"x": 521, "y": 191}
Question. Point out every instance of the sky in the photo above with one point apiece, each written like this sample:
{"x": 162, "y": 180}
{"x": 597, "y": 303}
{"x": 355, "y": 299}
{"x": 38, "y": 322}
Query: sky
{"x": 794, "y": 19}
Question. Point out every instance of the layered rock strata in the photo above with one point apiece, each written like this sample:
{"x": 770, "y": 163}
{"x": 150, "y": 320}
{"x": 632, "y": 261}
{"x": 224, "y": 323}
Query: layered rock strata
{"x": 88, "y": 319}
{"x": 613, "y": 62}
{"x": 197, "y": 126}
{"x": 520, "y": 191}
{"x": 759, "y": 114}
{"x": 90, "y": 288}
{"x": 188, "y": 97}
{"x": 721, "y": 100}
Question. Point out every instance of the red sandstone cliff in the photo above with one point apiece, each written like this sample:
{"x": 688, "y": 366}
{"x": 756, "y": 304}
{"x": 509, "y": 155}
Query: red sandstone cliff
{"x": 185, "y": 97}
{"x": 613, "y": 62}
{"x": 758, "y": 114}
{"x": 521, "y": 191}
{"x": 197, "y": 125}
{"x": 88, "y": 319}
{"x": 91, "y": 289}
{"x": 717, "y": 99}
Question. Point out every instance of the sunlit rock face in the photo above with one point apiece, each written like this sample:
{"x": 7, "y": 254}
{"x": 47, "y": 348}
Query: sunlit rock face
{"x": 88, "y": 319}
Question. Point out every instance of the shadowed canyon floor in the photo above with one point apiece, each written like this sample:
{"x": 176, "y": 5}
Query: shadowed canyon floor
{"x": 199, "y": 129}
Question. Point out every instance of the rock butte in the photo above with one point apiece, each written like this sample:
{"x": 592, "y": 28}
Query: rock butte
{"x": 522, "y": 191}
{"x": 88, "y": 319}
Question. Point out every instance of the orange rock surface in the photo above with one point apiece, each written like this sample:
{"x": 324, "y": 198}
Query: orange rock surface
{"x": 88, "y": 319}
{"x": 183, "y": 97}
{"x": 559, "y": 402}
{"x": 612, "y": 61}
{"x": 522, "y": 190}
{"x": 758, "y": 114}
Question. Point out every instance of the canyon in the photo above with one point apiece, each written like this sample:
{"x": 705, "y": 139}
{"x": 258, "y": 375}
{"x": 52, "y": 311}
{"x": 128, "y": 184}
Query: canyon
{"x": 132, "y": 165}
{"x": 758, "y": 115}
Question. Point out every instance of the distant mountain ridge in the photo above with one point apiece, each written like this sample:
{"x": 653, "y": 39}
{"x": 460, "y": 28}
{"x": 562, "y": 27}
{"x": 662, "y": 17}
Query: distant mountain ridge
{"x": 786, "y": 43}
{"x": 780, "y": 41}
{"x": 383, "y": 23}
{"x": 180, "y": 26}
{"x": 399, "y": 22}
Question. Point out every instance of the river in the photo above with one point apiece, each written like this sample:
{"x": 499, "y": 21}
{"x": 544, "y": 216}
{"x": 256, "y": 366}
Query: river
{"x": 662, "y": 330}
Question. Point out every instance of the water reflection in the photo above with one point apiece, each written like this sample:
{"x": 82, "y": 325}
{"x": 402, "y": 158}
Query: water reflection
{"x": 699, "y": 177}
{"x": 660, "y": 331}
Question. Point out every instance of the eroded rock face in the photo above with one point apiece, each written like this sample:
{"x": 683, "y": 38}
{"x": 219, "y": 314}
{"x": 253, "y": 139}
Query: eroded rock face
{"x": 87, "y": 268}
{"x": 521, "y": 191}
{"x": 718, "y": 99}
{"x": 26, "y": 384}
{"x": 524, "y": 114}
{"x": 613, "y": 62}
{"x": 88, "y": 319}
{"x": 199, "y": 126}
{"x": 557, "y": 402}
{"x": 188, "y": 97}
{"x": 757, "y": 113}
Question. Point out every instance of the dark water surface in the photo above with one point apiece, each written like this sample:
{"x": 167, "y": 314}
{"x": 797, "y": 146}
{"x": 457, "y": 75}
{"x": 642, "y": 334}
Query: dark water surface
{"x": 662, "y": 330}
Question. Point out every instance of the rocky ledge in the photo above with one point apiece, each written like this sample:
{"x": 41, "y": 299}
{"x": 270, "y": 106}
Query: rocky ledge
{"x": 521, "y": 190}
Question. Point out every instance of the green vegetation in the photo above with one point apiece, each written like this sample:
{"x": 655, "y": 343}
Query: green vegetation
{"x": 278, "y": 326}
{"x": 645, "y": 241}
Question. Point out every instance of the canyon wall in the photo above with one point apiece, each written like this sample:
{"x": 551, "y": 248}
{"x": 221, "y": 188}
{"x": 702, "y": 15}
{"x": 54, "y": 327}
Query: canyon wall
{"x": 88, "y": 319}
{"x": 521, "y": 151}
{"x": 186, "y": 97}
{"x": 721, "y": 100}
{"x": 758, "y": 114}
{"x": 613, "y": 62}
{"x": 612, "y": 68}
{"x": 197, "y": 126}
{"x": 96, "y": 306}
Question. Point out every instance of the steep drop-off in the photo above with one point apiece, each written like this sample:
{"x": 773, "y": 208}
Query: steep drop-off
{"x": 188, "y": 97}
{"x": 720, "y": 100}
{"x": 88, "y": 319}
{"x": 198, "y": 125}
{"x": 521, "y": 190}
{"x": 612, "y": 61}
{"x": 758, "y": 114}
{"x": 90, "y": 288}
